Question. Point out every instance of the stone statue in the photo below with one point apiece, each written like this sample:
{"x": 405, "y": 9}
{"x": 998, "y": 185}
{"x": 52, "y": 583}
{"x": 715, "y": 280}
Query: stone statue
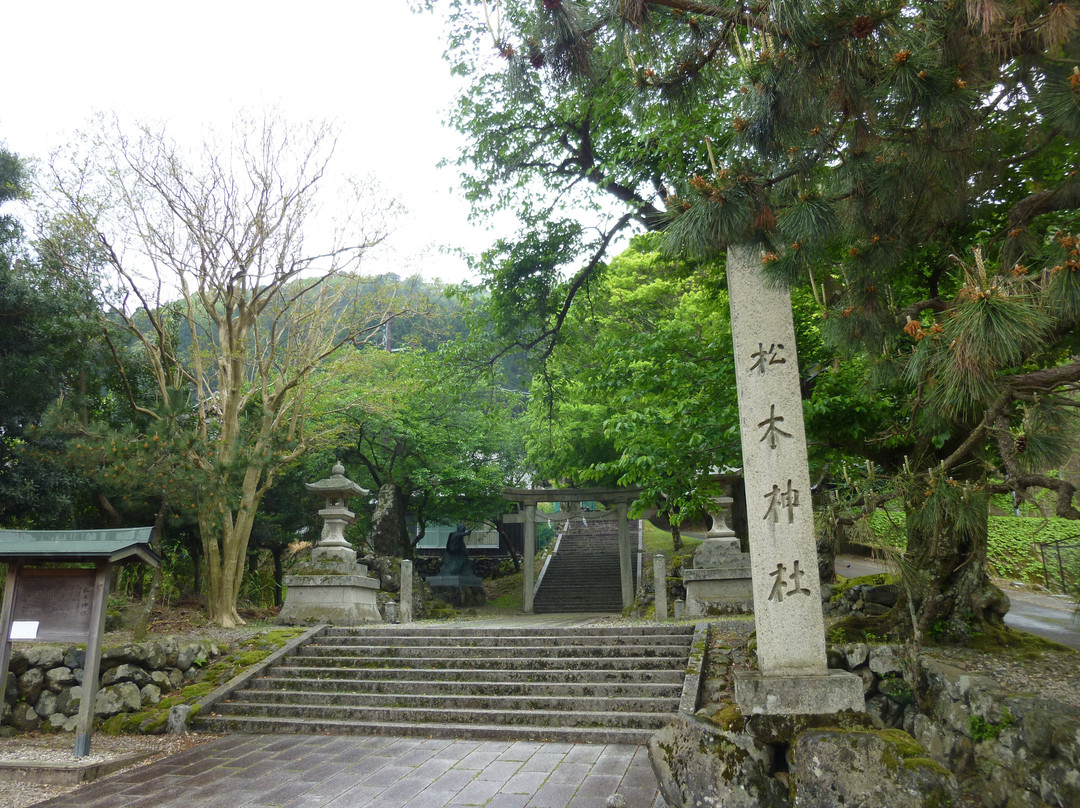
{"x": 456, "y": 558}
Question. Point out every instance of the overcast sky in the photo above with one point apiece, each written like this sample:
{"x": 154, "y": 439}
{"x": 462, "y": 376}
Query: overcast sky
{"x": 370, "y": 66}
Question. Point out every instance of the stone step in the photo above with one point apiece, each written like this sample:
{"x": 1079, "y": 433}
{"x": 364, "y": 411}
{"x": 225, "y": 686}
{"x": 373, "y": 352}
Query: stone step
{"x": 673, "y": 641}
{"x": 479, "y": 732}
{"x": 461, "y": 632}
{"x": 444, "y": 715}
{"x": 473, "y": 663}
{"x": 603, "y": 684}
{"x": 455, "y": 688}
{"x": 665, "y": 705}
{"x": 624, "y": 676}
{"x": 366, "y": 651}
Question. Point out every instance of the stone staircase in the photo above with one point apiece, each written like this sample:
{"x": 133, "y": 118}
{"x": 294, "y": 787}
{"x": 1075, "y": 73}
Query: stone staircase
{"x": 584, "y": 684}
{"x": 583, "y": 576}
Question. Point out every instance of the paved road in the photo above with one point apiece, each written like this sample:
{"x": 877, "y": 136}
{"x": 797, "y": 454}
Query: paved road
{"x": 1050, "y": 616}
{"x": 326, "y": 771}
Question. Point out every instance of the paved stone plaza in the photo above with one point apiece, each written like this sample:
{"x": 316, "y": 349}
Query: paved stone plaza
{"x": 324, "y": 771}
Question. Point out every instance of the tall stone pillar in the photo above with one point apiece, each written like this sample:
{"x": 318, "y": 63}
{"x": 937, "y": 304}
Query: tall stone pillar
{"x": 660, "y": 585}
{"x": 529, "y": 559}
{"x": 405, "y": 593}
{"x": 626, "y": 570}
{"x": 793, "y": 677}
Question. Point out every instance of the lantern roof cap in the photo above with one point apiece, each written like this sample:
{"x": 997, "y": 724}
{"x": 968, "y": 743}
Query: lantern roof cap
{"x": 336, "y": 483}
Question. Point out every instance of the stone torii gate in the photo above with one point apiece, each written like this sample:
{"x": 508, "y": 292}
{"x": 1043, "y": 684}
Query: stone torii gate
{"x": 527, "y": 500}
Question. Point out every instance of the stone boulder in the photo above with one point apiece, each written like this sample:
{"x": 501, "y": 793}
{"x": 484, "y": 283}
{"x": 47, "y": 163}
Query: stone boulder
{"x": 122, "y": 698}
{"x": 57, "y": 679}
{"x": 698, "y": 764}
{"x": 31, "y": 684}
{"x": 885, "y": 769}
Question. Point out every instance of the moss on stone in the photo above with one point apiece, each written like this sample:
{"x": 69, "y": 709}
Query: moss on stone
{"x": 842, "y": 584}
{"x": 921, "y": 762}
{"x": 728, "y": 717}
{"x": 1017, "y": 645}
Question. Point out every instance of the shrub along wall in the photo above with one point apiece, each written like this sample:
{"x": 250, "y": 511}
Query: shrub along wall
{"x": 1011, "y": 539}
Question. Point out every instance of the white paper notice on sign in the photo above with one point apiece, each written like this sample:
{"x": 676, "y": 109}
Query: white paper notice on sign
{"x": 24, "y": 630}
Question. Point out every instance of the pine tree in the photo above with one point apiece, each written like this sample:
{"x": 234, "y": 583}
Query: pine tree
{"x": 915, "y": 163}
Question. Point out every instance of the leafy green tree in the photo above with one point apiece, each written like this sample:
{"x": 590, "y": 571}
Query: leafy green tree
{"x": 206, "y": 272}
{"x": 46, "y": 355}
{"x": 636, "y": 392}
{"x": 430, "y": 437}
{"x": 913, "y": 163}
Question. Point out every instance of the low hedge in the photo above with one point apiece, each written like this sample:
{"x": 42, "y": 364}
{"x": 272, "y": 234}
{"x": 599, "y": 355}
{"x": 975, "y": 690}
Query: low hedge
{"x": 1011, "y": 544}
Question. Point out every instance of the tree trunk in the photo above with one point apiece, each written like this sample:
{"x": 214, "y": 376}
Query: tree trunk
{"x": 676, "y": 537}
{"x": 388, "y": 534}
{"x": 225, "y": 533}
{"x": 142, "y": 624}
{"x": 948, "y": 585}
{"x": 504, "y": 542}
{"x": 278, "y": 551}
{"x": 957, "y": 598}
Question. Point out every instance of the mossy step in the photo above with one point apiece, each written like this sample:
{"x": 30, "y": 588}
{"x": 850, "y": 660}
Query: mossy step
{"x": 346, "y": 648}
{"x": 617, "y": 676}
{"x": 473, "y": 662}
{"x": 642, "y": 630}
{"x": 475, "y": 731}
{"x": 447, "y": 715}
{"x": 668, "y": 705}
{"x": 675, "y": 641}
{"x": 451, "y": 689}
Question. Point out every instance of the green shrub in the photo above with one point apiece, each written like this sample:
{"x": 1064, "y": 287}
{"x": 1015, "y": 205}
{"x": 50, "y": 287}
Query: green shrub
{"x": 1010, "y": 548}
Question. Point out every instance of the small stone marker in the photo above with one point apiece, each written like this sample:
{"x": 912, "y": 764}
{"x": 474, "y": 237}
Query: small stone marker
{"x": 660, "y": 585}
{"x": 405, "y": 592}
{"x": 794, "y": 677}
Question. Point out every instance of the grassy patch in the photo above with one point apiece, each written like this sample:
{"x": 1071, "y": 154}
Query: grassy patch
{"x": 656, "y": 541}
{"x": 504, "y": 592}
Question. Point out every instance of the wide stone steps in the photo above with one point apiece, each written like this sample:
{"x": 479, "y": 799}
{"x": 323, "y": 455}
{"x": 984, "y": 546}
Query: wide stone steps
{"x": 623, "y": 676}
{"x": 485, "y": 732}
{"x": 427, "y": 701}
{"x": 607, "y": 685}
{"x": 584, "y": 575}
{"x": 503, "y": 663}
{"x": 472, "y": 687}
{"x": 452, "y": 652}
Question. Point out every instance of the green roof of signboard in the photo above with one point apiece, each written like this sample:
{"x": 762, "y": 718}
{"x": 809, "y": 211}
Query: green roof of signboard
{"x": 123, "y": 544}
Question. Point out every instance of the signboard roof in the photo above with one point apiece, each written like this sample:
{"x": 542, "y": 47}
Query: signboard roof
{"x": 79, "y": 545}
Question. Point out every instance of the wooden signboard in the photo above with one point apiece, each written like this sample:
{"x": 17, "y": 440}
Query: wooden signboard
{"x": 53, "y": 605}
{"x": 47, "y": 604}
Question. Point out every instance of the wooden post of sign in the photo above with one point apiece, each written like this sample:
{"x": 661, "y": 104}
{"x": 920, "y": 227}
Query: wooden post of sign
{"x": 7, "y": 615}
{"x": 92, "y": 666}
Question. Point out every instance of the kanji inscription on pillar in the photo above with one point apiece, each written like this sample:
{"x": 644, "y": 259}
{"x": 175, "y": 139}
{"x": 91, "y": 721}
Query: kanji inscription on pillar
{"x": 783, "y": 552}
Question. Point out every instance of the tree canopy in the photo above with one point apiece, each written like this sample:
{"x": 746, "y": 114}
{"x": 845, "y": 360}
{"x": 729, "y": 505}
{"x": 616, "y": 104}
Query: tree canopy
{"x": 911, "y": 163}
{"x": 223, "y": 249}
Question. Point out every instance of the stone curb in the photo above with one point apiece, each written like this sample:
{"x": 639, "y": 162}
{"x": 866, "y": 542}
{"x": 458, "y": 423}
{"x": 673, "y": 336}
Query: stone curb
{"x": 692, "y": 683}
{"x": 206, "y": 703}
{"x": 65, "y": 774}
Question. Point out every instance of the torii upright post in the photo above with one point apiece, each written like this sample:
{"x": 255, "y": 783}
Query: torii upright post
{"x": 793, "y": 676}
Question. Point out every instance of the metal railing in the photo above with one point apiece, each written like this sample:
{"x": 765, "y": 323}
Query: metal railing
{"x": 1061, "y": 563}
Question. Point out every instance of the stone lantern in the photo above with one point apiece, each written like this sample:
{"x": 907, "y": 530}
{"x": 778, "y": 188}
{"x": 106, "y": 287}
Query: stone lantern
{"x": 720, "y": 580}
{"x": 336, "y": 489}
{"x": 332, "y": 587}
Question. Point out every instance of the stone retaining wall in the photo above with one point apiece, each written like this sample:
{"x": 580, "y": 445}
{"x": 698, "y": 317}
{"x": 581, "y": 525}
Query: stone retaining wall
{"x": 1012, "y": 751}
{"x": 930, "y": 733}
{"x": 44, "y": 685}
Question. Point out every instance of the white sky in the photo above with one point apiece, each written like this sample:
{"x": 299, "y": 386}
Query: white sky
{"x": 370, "y": 66}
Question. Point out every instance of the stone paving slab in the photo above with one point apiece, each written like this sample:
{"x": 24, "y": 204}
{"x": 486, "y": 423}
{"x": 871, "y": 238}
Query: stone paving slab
{"x": 319, "y": 771}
